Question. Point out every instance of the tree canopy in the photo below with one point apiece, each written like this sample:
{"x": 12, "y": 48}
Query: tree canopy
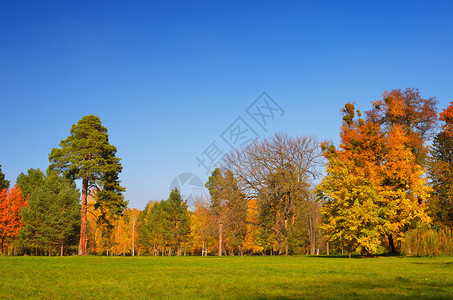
{"x": 87, "y": 154}
{"x": 441, "y": 171}
{"x": 52, "y": 218}
{"x": 373, "y": 187}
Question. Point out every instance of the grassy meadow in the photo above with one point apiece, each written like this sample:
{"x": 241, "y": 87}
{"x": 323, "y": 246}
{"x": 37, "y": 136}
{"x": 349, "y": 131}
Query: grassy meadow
{"x": 249, "y": 277}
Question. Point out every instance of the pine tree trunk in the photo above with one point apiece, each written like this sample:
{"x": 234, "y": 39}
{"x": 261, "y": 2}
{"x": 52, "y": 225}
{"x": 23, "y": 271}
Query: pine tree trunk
{"x": 220, "y": 238}
{"x": 83, "y": 225}
{"x": 61, "y": 249}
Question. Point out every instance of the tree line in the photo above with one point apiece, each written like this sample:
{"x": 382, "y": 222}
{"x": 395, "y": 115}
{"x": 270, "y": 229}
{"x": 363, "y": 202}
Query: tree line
{"x": 386, "y": 187}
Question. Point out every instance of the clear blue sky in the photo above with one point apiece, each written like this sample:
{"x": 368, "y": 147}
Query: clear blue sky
{"x": 167, "y": 78}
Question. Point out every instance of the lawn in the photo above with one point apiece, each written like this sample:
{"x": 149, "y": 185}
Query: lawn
{"x": 225, "y": 277}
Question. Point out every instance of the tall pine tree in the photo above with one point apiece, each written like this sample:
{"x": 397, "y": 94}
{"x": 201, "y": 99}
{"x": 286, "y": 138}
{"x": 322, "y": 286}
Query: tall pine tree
{"x": 87, "y": 154}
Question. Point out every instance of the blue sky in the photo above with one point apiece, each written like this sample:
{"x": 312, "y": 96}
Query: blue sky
{"x": 167, "y": 78}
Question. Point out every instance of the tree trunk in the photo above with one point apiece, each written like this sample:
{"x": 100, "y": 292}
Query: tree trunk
{"x": 286, "y": 238}
{"x": 391, "y": 244}
{"x": 83, "y": 225}
{"x": 220, "y": 237}
{"x": 133, "y": 238}
{"x": 61, "y": 249}
{"x": 328, "y": 250}
{"x": 3, "y": 238}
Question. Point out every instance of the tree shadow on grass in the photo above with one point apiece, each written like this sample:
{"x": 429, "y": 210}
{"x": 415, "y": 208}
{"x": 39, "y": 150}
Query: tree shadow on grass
{"x": 397, "y": 288}
{"x": 356, "y": 255}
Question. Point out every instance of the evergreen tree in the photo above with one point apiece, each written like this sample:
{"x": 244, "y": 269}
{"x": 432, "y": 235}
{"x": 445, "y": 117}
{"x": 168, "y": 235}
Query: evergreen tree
{"x": 165, "y": 225}
{"x": 52, "y": 218}
{"x": 178, "y": 220}
{"x": 87, "y": 154}
{"x": 31, "y": 181}
{"x": 4, "y": 184}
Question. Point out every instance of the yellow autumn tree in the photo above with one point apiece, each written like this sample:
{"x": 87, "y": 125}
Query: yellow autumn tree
{"x": 250, "y": 242}
{"x": 373, "y": 187}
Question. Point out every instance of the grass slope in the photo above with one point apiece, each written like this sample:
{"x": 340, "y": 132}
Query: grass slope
{"x": 225, "y": 277}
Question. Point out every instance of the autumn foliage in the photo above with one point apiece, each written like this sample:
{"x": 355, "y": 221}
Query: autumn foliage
{"x": 385, "y": 188}
{"x": 11, "y": 203}
{"x": 447, "y": 117}
{"x": 374, "y": 187}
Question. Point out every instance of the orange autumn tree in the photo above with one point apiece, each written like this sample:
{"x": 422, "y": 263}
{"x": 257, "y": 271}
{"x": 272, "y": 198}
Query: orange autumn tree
{"x": 251, "y": 240}
{"x": 415, "y": 115}
{"x": 441, "y": 171}
{"x": 374, "y": 186}
{"x": 125, "y": 232}
{"x": 350, "y": 212}
{"x": 447, "y": 117}
{"x": 203, "y": 228}
{"x": 11, "y": 203}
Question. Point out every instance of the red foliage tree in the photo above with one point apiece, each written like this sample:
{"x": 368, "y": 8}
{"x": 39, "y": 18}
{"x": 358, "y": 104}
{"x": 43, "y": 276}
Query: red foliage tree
{"x": 447, "y": 116}
{"x": 11, "y": 203}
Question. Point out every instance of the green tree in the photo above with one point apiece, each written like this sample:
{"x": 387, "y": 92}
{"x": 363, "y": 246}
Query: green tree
{"x": 147, "y": 237}
{"x": 178, "y": 220}
{"x": 283, "y": 193}
{"x": 52, "y": 219}
{"x": 165, "y": 225}
{"x": 87, "y": 154}
{"x": 4, "y": 184}
{"x": 31, "y": 181}
{"x": 229, "y": 208}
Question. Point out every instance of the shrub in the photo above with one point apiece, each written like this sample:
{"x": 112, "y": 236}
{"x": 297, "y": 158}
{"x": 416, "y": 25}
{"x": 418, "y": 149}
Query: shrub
{"x": 428, "y": 241}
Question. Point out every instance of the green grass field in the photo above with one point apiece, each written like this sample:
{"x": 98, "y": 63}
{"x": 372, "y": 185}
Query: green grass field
{"x": 225, "y": 277}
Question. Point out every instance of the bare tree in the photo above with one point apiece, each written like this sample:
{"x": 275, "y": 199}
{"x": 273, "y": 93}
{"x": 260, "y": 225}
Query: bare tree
{"x": 253, "y": 164}
{"x": 278, "y": 172}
